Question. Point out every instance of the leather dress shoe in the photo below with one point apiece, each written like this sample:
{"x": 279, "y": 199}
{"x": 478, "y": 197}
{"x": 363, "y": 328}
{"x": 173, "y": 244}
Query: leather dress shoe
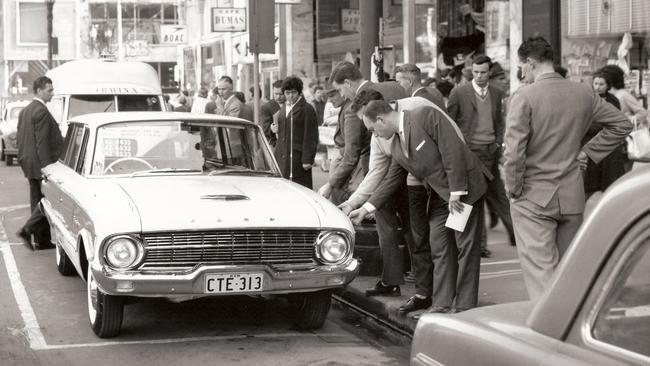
{"x": 26, "y": 239}
{"x": 415, "y": 303}
{"x": 383, "y": 290}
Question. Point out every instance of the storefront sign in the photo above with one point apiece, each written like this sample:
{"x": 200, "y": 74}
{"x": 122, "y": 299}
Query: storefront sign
{"x": 228, "y": 19}
{"x": 138, "y": 47}
{"x": 350, "y": 19}
{"x": 173, "y": 34}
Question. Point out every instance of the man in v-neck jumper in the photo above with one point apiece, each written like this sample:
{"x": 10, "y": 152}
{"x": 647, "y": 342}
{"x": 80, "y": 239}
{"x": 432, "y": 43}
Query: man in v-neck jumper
{"x": 476, "y": 108}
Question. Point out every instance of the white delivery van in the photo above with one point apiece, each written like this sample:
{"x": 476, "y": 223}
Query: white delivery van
{"x": 91, "y": 86}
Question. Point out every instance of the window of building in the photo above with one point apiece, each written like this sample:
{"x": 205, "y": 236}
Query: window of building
{"x": 32, "y": 22}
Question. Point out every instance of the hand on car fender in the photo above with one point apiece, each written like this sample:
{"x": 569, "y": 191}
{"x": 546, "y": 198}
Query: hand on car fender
{"x": 358, "y": 215}
{"x": 346, "y": 208}
{"x": 325, "y": 190}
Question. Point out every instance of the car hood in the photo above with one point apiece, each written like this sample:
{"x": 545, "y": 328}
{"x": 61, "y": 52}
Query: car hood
{"x": 197, "y": 202}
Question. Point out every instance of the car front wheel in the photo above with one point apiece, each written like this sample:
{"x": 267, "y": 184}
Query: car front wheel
{"x": 311, "y": 309}
{"x": 105, "y": 311}
{"x": 63, "y": 262}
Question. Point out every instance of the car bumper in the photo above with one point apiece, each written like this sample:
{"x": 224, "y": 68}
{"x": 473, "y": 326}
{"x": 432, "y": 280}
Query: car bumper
{"x": 276, "y": 281}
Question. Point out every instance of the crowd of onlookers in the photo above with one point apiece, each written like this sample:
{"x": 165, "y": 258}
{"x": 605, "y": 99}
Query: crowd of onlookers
{"x": 413, "y": 151}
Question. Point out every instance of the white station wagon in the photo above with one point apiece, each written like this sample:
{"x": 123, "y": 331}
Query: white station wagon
{"x": 179, "y": 205}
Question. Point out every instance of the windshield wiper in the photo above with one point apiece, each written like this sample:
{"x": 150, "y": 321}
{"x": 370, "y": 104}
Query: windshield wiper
{"x": 165, "y": 170}
{"x": 241, "y": 171}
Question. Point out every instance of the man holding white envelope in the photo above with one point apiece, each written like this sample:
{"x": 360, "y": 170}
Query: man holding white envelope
{"x": 430, "y": 149}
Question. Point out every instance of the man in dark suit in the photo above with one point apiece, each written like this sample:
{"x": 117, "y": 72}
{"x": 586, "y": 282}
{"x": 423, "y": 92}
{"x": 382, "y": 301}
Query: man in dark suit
{"x": 297, "y": 134}
{"x": 476, "y": 108}
{"x": 353, "y": 164}
{"x": 39, "y": 144}
{"x": 269, "y": 109}
{"x": 427, "y": 146}
{"x": 409, "y": 77}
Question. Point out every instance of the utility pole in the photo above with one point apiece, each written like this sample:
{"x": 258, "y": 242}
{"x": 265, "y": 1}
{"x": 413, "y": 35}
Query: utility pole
{"x": 50, "y": 49}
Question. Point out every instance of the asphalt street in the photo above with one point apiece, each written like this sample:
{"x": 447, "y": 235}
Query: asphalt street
{"x": 43, "y": 319}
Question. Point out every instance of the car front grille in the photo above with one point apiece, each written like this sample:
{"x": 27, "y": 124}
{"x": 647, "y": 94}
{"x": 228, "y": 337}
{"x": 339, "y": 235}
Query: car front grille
{"x": 228, "y": 247}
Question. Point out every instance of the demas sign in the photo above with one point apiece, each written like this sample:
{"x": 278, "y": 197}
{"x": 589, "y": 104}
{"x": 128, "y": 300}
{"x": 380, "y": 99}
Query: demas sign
{"x": 228, "y": 19}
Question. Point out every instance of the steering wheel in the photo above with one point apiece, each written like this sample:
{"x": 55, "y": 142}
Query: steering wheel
{"x": 110, "y": 166}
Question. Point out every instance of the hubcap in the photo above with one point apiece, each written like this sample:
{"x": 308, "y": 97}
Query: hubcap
{"x": 92, "y": 296}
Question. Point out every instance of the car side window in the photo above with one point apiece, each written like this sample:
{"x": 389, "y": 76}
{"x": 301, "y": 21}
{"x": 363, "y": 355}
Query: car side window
{"x": 66, "y": 145}
{"x": 624, "y": 318}
{"x": 75, "y": 146}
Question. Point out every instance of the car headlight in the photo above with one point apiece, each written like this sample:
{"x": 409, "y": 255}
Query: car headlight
{"x": 123, "y": 252}
{"x": 332, "y": 248}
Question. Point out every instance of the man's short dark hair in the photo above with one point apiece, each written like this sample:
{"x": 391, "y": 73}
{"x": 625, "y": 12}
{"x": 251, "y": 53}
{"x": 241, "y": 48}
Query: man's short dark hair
{"x": 203, "y": 92}
{"x": 561, "y": 70}
{"x": 40, "y": 83}
{"x": 481, "y": 59}
{"x": 317, "y": 88}
{"x": 614, "y": 75}
{"x": 226, "y": 78}
{"x": 345, "y": 70}
{"x": 363, "y": 98}
{"x": 375, "y": 108}
{"x": 537, "y": 48}
{"x": 277, "y": 84}
{"x": 409, "y": 69}
{"x": 445, "y": 87}
{"x": 292, "y": 83}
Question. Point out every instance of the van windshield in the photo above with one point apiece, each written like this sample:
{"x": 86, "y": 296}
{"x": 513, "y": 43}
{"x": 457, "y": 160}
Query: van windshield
{"x": 82, "y": 104}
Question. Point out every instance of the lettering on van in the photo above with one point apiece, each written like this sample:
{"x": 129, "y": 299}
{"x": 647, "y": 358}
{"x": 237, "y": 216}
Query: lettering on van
{"x": 117, "y": 90}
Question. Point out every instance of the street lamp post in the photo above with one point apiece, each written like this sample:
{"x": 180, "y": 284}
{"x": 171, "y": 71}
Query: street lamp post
{"x": 50, "y": 6}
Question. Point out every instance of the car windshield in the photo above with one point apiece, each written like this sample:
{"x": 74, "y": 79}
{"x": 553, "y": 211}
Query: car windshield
{"x": 155, "y": 147}
{"x": 82, "y": 104}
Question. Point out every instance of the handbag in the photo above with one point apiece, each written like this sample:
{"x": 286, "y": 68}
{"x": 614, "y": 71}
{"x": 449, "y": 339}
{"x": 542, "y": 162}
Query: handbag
{"x": 638, "y": 143}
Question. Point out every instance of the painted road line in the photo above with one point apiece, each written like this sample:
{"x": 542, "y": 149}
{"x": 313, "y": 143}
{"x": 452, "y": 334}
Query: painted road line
{"x": 509, "y": 261}
{"x": 12, "y": 208}
{"x": 497, "y": 274}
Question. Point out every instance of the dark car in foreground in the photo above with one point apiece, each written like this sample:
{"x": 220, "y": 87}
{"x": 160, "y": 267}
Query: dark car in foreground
{"x": 596, "y": 311}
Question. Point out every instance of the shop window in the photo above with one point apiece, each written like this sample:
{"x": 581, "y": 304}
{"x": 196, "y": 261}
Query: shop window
{"x": 32, "y": 21}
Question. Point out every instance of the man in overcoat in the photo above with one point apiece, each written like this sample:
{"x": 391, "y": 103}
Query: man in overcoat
{"x": 297, "y": 134}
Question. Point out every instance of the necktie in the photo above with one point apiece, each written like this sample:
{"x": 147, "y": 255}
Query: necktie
{"x": 483, "y": 92}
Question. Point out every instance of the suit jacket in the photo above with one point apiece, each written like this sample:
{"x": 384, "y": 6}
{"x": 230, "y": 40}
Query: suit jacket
{"x": 303, "y": 144}
{"x": 266, "y": 114}
{"x": 432, "y": 95}
{"x": 545, "y": 124}
{"x": 233, "y": 107}
{"x": 436, "y": 155}
{"x": 462, "y": 109}
{"x": 39, "y": 139}
{"x": 247, "y": 112}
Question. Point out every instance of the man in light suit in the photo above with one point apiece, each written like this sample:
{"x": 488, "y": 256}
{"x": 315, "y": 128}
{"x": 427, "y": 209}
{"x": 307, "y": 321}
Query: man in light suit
{"x": 231, "y": 105}
{"x": 428, "y": 147}
{"x": 545, "y": 125}
{"x": 409, "y": 77}
{"x": 39, "y": 144}
{"x": 476, "y": 107}
{"x": 347, "y": 79}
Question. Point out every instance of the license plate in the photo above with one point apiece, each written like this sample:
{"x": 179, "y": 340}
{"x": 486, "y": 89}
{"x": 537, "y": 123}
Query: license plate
{"x": 233, "y": 283}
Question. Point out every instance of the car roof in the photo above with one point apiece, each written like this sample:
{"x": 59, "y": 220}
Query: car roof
{"x": 88, "y": 77}
{"x": 621, "y": 206}
{"x": 20, "y": 103}
{"x": 98, "y": 119}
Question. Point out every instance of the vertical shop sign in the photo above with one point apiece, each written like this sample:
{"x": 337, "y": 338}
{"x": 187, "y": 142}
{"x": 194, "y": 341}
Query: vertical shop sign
{"x": 350, "y": 20}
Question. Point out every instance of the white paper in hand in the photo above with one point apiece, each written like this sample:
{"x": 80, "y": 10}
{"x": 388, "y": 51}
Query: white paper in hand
{"x": 457, "y": 221}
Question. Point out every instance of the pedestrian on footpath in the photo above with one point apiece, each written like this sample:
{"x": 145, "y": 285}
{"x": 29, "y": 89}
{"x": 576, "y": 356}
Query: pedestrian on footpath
{"x": 427, "y": 145}
{"x": 269, "y": 109}
{"x": 409, "y": 77}
{"x": 182, "y": 105}
{"x": 201, "y": 100}
{"x": 39, "y": 145}
{"x": 395, "y": 213}
{"x": 352, "y": 165}
{"x": 543, "y": 159}
{"x": 232, "y": 106}
{"x": 297, "y": 135}
{"x": 214, "y": 102}
{"x": 476, "y": 108}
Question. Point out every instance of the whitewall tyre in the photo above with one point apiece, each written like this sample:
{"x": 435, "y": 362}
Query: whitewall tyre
{"x": 104, "y": 311}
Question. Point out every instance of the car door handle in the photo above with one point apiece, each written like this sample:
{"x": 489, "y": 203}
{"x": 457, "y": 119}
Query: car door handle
{"x": 60, "y": 199}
